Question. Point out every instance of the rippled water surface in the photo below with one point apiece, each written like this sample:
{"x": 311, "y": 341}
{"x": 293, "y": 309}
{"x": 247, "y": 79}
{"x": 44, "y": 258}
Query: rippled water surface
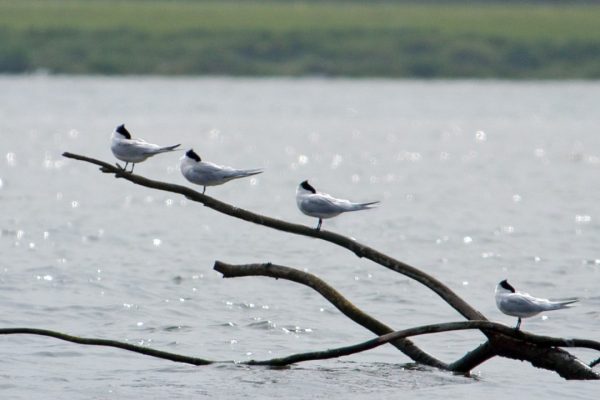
{"x": 479, "y": 181}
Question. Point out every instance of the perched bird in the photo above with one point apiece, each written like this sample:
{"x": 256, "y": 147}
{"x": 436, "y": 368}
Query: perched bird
{"x": 134, "y": 150}
{"x": 522, "y": 305}
{"x": 322, "y": 205}
{"x": 208, "y": 174}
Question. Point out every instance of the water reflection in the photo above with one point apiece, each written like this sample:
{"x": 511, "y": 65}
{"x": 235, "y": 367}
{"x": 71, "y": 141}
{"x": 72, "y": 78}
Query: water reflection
{"x": 480, "y": 136}
{"x": 11, "y": 159}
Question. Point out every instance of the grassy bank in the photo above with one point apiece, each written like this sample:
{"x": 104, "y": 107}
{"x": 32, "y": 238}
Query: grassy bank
{"x": 290, "y": 38}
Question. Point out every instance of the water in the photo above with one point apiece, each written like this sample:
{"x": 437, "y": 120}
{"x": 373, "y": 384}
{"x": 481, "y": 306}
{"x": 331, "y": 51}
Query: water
{"x": 479, "y": 181}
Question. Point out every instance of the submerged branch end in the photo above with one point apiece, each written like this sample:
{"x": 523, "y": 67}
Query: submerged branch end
{"x": 108, "y": 343}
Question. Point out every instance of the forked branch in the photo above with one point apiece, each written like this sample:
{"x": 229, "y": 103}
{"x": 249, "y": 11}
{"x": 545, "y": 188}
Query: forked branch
{"x": 540, "y": 351}
{"x": 334, "y": 297}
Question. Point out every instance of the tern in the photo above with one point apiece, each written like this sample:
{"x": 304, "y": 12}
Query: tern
{"x": 134, "y": 150}
{"x": 523, "y": 305}
{"x": 322, "y": 205}
{"x": 208, "y": 174}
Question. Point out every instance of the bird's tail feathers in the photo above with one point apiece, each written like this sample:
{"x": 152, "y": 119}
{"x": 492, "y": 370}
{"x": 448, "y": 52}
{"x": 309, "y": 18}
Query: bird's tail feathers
{"x": 365, "y": 206}
{"x": 564, "y": 303}
{"x": 248, "y": 172}
{"x": 168, "y": 148}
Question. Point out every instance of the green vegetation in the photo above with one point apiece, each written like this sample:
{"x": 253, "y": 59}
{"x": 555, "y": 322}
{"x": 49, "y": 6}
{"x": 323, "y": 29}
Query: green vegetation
{"x": 392, "y": 39}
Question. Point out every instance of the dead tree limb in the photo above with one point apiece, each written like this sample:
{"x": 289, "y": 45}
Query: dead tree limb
{"x": 540, "y": 351}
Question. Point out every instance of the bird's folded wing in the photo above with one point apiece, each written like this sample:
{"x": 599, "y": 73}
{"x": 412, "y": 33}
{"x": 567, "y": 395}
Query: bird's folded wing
{"x": 150, "y": 148}
{"x": 518, "y": 303}
{"x": 320, "y": 204}
{"x": 211, "y": 171}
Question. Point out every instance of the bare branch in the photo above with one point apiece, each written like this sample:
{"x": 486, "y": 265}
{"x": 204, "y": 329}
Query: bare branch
{"x": 108, "y": 343}
{"x": 357, "y": 248}
{"x": 334, "y": 297}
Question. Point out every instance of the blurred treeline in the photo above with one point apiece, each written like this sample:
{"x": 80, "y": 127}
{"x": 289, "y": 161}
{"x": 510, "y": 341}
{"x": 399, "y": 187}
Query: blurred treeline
{"x": 427, "y": 39}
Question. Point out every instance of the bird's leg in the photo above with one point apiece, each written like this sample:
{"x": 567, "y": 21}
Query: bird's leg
{"x": 204, "y": 190}
{"x": 132, "y": 165}
{"x": 125, "y": 167}
{"x": 319, "y": 224}
{"x": 518, "y": 324}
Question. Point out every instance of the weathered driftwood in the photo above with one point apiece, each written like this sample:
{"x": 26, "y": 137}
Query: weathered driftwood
{"x": 543, "y": 352}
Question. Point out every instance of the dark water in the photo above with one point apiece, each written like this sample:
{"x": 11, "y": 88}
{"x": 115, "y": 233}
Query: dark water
{"x": 479, "y": 181}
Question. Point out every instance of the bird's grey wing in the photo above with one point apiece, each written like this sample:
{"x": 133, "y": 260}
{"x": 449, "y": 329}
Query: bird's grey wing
{"x": 133, "y": 147}
{"x": 519, "y": 305}
{"x": 320, "y": 204}
{"x": 347, "y": 205}
{"x": 229, "y": 172}
{"x": 221, "y": 172}
{"x": 208, "y": 172}
{"x": 147, "y": 148}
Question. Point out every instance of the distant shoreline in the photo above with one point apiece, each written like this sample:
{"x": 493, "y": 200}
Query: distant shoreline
{"x": 458, "y": 40}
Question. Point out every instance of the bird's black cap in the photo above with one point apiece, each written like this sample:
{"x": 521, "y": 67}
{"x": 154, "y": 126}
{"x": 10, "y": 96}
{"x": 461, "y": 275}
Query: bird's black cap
{"x": 121, "y": 129}
{"x": 507, "y": 286}
{"x": 192, "y": 154}
{"x": 306, "y": 186}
